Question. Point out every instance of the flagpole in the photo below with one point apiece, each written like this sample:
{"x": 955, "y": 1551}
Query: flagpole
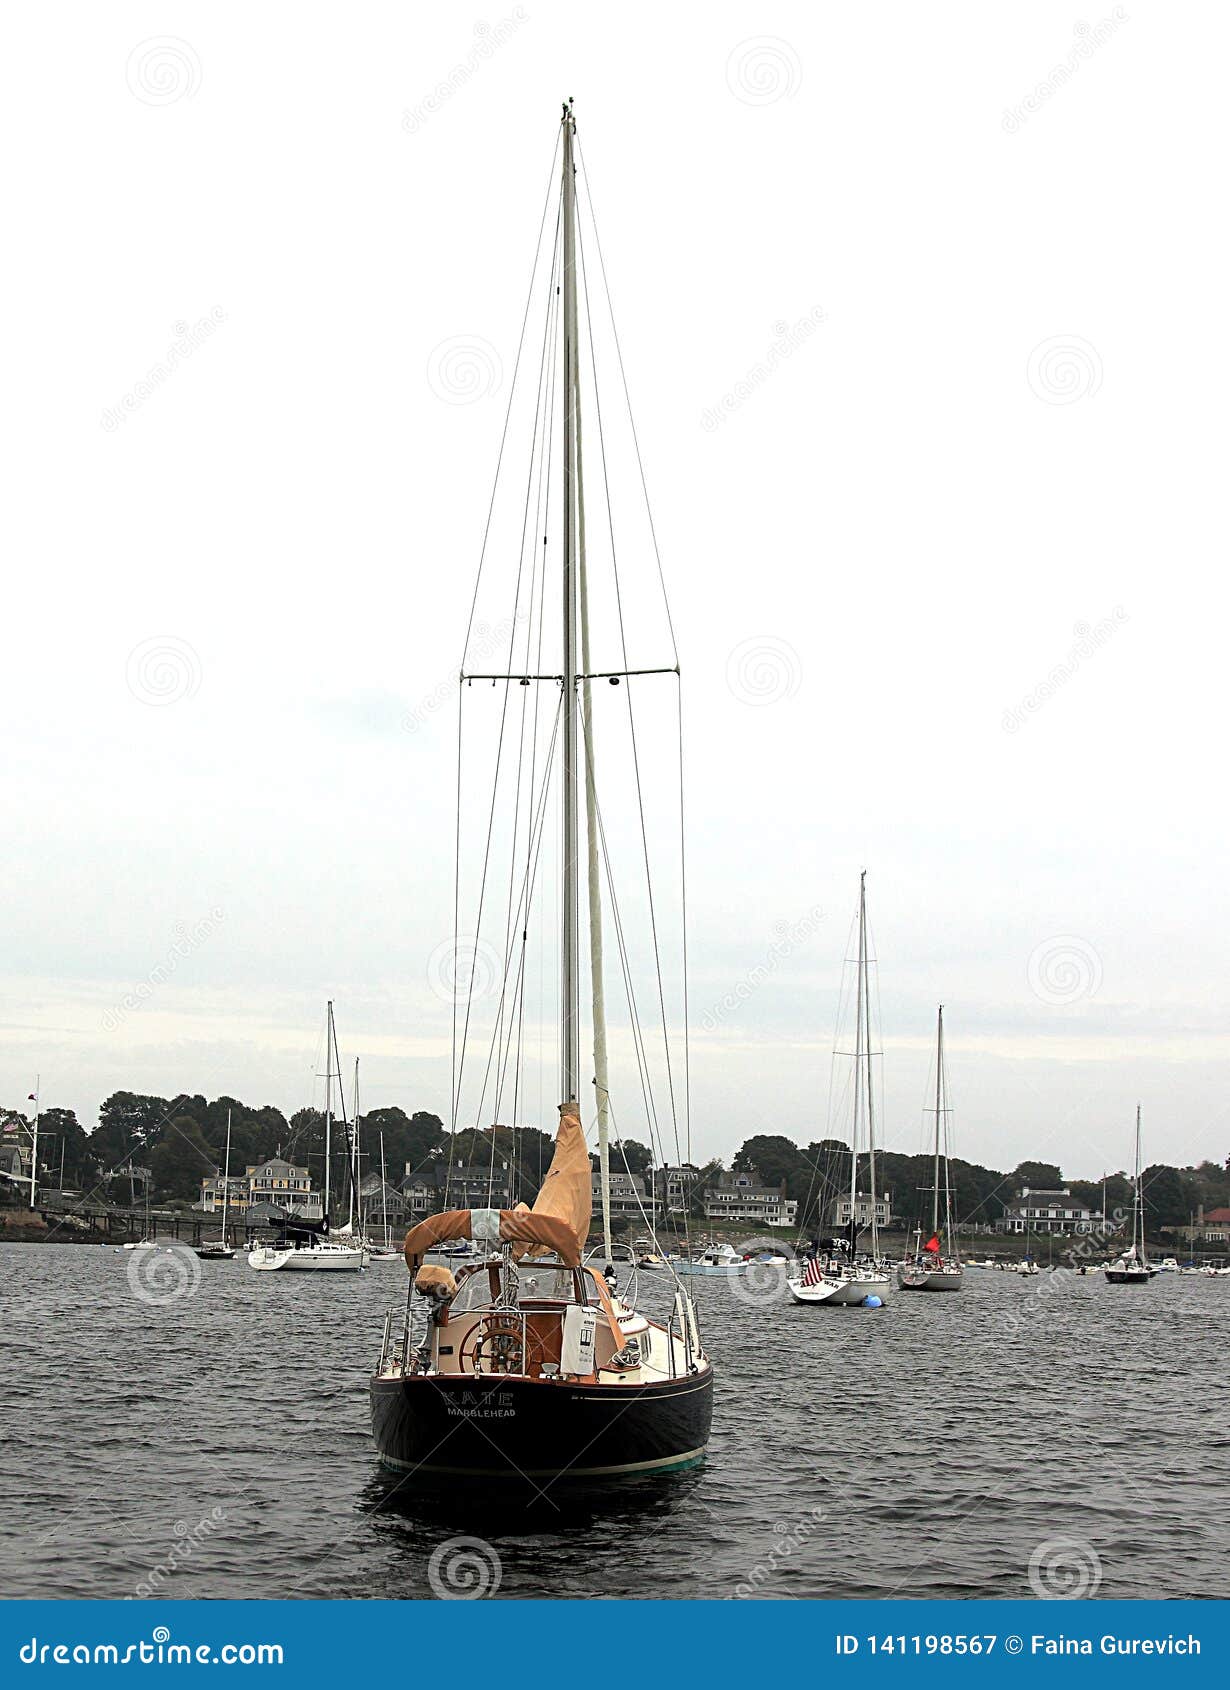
{"x": 38, "y": 1086}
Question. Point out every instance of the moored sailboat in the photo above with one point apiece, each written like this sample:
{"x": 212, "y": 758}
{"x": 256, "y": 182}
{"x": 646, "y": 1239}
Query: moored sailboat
{"x": 936, "y": 1265}
{"x": 1132, "y": 1267}
{"x": 302, "y": 1246}
{"x": 837, "y": 1273}
{"x": 222, "y": 1251}
{"x": 524, "y": 1363}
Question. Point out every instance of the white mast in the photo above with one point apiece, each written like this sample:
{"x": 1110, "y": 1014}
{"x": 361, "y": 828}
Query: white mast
{"x": 384, "y": 1195}
{"x": 226, "y": 1177}
{"x": 1138, "y": 1213}
{"x": 38, "y": 1087}
{"x": 328, "y": 1098}
{"x": 939, "y": 1069}
{"x": 570, "y": 958}
{"x": 597, "y": 990}
{"x": 871, "y": 1122}
{"x": 354, "y": 1208}
{"x": 858, "y": 1078}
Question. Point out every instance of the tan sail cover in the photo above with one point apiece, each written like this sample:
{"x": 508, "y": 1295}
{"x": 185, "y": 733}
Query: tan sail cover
{"x": 517, "y": 1226}
{"x": 432, "y": 1277}
{"x": 567, "y": 1191}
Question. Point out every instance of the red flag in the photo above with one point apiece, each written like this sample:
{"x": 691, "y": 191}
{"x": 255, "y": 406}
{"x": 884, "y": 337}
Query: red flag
{"x": 33, "y": 1097}
{"x": 932, "y": 1246}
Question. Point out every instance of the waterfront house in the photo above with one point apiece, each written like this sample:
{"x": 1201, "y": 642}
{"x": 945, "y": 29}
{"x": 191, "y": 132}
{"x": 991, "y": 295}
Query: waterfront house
{"x": 419, "y": 1197}
{"x": 674, "y": 1188}
{"x": 464, "y": 1187}
{"x": 743, "y": 1196}
{"x": 379, "y": 1201}
{"x": 1211, "y": 1228}
{"x": 628, "y": 1195}
{"x": 1047, "y": 1211}
{"x": 841, "y": 1210}
{"x": 238, "y": 1194}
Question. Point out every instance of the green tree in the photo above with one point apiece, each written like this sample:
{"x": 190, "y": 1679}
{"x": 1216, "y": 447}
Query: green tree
{"x": 64, "y": 1143}
{"x": 638, "y": 1157}
{"x": 181, "y": 1160}
{"x": 1166, "y": 1195}
{"x": 1038, "y": 1176}
{"x": 129, "y": 1123}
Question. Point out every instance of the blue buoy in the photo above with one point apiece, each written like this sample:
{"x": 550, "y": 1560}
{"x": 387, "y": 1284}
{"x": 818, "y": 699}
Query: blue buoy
{"x": 873, "y": 1302}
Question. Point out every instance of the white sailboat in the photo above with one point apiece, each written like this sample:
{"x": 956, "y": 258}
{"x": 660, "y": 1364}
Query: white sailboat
{"x": 838, "y": 1275}
{"x": 221, "y": 1252}
{"x": 936, "y": 1265}
{"x": 1133, "y": 1268}
{"x": 383, "y": 1252}
{"x": 147, "y": 1241}
{"x": 301, "y": 1246}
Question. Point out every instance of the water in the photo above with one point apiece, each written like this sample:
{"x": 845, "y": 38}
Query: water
{"x": 217, "y": 1445}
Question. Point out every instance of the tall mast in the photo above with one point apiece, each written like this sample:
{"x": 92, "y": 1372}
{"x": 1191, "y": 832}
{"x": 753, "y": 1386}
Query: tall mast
{"x": 593, "y": 876}
{"x": 38, "y": 1087}
{"x": 226, "y": 1177}
{"x": 871, "y": 1119}
{"x": 352, "y": 1207}
{"x": 939, "y": 1069}
{"x": 328, "y": 1099}
{"x": 384, "y": 1195}
{"x": 1138, "y": 1215}
{"x": 858, "y": 1075}
{"x": 570, "y": 1016}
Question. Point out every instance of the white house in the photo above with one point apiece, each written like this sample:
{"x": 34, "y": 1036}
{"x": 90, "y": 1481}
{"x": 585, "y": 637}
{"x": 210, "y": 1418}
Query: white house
{"x": 1047, "y": 1211}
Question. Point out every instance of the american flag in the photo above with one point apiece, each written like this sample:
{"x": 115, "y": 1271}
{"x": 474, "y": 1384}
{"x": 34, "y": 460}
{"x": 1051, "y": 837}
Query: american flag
{"x": 813, "y": 1273}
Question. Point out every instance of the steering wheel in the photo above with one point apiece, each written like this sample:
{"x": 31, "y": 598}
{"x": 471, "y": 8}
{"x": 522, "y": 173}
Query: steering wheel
{"x": 496, "y": 1339}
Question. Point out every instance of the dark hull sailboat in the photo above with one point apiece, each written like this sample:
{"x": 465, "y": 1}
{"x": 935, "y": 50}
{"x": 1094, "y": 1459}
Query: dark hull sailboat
{"x": 526, "y": 1363}
{"x": 1132, "y": 1267}
{"x": 511, "y": 1428}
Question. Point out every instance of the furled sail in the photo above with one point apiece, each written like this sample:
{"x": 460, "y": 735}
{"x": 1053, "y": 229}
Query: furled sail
{"x": 567, "y": 1191}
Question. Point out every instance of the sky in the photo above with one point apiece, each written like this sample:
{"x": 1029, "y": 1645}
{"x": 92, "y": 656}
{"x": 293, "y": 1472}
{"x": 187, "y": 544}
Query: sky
{"x": 922, "y": 319}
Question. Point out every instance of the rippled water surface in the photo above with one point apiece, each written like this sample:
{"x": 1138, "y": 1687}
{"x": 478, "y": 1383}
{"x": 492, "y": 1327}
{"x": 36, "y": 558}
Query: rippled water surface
{"x": 218, "y": 1446}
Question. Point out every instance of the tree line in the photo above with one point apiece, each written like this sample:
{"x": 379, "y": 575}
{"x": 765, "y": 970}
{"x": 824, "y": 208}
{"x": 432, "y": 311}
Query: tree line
{"x": 181, "y": 1141}
{"x": 815, "y": 1174}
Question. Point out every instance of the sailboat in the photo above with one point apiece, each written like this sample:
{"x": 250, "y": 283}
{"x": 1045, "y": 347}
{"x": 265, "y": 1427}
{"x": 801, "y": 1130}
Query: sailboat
{"x": 305, "y": 1246}
{"x": 936, "y": 1265}
{"x": 526, "y": 1363}
{"x": 1133, "y": 1268}
{"x": 221, "y": 1252}
{"x": 147, "y": 1241}
{"x": 837, "y": 1275}
{"x": 383, "y": 1252}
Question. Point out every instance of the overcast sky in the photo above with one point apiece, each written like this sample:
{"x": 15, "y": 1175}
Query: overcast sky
{"x": 923, "y": 316}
